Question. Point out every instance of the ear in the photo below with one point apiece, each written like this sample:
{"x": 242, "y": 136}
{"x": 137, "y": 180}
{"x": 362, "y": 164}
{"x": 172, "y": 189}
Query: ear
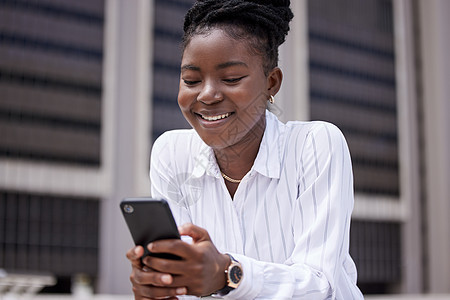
{"x": 274, "y": 80}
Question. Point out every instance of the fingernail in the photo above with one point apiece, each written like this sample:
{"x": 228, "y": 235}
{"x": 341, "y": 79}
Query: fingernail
{"x": 166, "y": 279}
{"x": 150, "y": 246}
{"x": 181, "y": 291}
{"x": 136, "y": 251}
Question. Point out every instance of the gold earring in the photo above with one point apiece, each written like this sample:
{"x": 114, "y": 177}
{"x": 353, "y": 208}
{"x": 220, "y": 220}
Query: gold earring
{"x": 271, "y": 99}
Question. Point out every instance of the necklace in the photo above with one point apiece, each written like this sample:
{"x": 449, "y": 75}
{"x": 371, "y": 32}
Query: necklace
{"x": 230, "y": 179}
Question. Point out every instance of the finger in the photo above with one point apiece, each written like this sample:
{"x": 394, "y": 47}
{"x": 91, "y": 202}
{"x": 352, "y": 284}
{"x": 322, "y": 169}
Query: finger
{"x": 134, "y": 256}
{"x": 154, "y": 292}
{"x": 135, "y": 253}
{"x": 168, "y": 266}
{"x": 150, "y": 277}
{"x": 197, "y": 233}
{"x": 173, "y": 246}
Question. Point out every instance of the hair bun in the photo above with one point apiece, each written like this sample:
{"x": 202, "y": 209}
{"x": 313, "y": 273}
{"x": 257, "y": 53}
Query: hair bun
{"x": 268, "y": 19}
{"x": 275, "y": 3}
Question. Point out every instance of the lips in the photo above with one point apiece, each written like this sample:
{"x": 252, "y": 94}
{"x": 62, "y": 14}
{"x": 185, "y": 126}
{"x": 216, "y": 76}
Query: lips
{"x": 216, "y": 117}
{"x": 211, "y": 117}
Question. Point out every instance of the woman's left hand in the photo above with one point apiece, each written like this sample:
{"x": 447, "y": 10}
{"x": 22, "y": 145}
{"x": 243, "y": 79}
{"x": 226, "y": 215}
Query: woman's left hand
{"x": 202, "y": 268}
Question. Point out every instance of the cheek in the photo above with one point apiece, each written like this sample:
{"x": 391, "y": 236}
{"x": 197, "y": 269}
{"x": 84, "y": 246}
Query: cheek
{"x": 255, "y": 94}
{"x": 255, "y": 103}
{"x": 185, "y": 99}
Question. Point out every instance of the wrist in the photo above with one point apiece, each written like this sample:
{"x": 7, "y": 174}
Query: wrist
{"x": 223, "y": 267}
{"x": 233, "y": 276}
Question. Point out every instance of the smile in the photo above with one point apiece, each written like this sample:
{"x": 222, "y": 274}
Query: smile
{"x": 215, "y": 118}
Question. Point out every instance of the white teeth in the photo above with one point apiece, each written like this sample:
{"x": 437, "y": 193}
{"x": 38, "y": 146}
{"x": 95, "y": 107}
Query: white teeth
{"x": 215, "y": 118}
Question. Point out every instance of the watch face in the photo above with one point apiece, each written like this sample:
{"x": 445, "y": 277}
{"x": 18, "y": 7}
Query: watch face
{"x": 235, "y": 274}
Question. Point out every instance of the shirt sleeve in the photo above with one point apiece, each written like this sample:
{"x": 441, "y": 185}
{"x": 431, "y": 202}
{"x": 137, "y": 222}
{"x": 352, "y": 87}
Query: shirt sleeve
{"x": 165, "y": 182}
{"x": 320, "y": 266}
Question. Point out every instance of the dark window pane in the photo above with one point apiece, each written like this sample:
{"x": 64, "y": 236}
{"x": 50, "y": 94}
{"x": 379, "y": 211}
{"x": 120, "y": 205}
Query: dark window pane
{"x": 352, "y": 84}
{"x": 51, "y": 55}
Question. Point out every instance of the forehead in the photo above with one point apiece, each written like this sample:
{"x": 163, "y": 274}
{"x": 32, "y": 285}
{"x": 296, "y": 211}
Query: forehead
{"x": 218, "y": 46}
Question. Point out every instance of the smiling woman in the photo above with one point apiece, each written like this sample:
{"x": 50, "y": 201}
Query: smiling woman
{"x": 221, "y": 79}
{"x": 266, "y": 204}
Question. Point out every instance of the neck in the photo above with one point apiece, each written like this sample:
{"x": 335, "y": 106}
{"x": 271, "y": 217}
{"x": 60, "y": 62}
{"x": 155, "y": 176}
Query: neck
{"x": 236, "y": 160}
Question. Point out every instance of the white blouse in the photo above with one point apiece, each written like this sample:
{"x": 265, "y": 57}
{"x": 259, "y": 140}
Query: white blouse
{"x": 288, "y": 224}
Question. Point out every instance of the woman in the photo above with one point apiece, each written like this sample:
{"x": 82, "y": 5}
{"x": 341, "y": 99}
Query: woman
{"x": 271, "y": 202}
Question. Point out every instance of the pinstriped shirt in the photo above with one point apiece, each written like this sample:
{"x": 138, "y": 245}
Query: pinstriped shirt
{"x": 288, "y": 223}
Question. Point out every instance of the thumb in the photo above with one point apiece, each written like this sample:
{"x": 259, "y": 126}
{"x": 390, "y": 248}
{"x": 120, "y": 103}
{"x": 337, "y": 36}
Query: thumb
{"x": 197, "y": 233}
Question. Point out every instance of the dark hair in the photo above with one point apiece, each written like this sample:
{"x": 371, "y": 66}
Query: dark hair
{"x": 264, "y": 23}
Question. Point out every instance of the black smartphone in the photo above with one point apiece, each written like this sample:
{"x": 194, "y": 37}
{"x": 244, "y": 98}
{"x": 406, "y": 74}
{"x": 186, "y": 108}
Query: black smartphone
{"x": 149, "y": 220}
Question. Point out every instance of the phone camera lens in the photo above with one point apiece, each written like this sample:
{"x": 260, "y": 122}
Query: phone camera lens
{"x": 128, "y": 208}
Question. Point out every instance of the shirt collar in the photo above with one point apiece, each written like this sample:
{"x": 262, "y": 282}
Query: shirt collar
{"x": 205, "y": 162}
{"x": 268, "y": 159}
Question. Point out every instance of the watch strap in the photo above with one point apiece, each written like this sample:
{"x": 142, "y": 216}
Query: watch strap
{"x": 225, "y": 291}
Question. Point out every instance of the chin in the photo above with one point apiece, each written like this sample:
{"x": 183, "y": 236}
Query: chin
{"x": 214, "y": 143}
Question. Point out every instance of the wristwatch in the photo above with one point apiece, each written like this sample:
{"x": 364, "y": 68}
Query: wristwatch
{"x": 234, "y": 275}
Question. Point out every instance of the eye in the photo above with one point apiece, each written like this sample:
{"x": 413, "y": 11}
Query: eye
{"x": 234, "y": 80}
{"x": 191, "y": 82}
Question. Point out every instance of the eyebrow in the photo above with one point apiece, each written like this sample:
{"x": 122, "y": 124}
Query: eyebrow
{"x": 190, "y": 67}
{"x": 231, "y": 64}
{"x": 219, "y": 67}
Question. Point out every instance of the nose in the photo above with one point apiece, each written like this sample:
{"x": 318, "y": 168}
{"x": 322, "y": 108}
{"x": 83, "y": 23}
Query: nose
{"x": 210, "y": 93}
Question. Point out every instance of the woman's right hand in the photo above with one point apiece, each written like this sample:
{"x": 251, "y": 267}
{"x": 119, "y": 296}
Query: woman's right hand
{"x": 150, "y": 284}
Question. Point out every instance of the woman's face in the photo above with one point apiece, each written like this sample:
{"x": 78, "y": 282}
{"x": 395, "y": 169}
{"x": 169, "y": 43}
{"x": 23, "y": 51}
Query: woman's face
{"x": 223, "y": 90}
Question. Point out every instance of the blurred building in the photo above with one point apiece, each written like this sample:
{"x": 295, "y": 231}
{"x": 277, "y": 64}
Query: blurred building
{"x": 86, "y": 87}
